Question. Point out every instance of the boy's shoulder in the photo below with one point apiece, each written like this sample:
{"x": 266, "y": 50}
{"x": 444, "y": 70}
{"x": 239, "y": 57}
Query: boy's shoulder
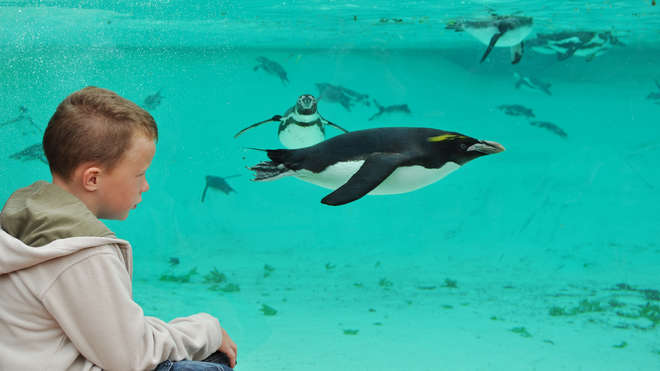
{"x": 44, "y": 212}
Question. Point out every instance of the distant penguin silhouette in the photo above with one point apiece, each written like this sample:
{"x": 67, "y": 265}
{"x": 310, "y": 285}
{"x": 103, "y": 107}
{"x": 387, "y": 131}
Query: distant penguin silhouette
{"x": 516, "y": 110}
{"x": 532, "y": 83}
{"x": 33, "y": 152}
{"x": 551, "y": 127}
{"x": 272, "y": 67}
{"x": 151, "y": 102}
{"x": 389, "y": 109}
{"x": 339, "y": 94}
{"x": 655, "y": 95}
{"x": 219, "y": 183}
{"x": 24, "y": 116}
{"x": 588, "y": 44}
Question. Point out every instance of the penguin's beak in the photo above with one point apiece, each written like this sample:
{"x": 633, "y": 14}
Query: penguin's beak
{"x": 487, "y": 147}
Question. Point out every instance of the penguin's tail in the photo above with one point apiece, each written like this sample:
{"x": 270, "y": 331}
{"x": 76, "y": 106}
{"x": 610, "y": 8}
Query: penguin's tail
{"x": 269, "y": 170}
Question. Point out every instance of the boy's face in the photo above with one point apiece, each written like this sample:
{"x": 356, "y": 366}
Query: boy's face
{"x": 121, "y": 189}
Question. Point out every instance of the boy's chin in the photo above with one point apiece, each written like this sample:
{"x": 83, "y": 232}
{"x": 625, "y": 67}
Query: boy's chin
{"x": 121, "y": 216}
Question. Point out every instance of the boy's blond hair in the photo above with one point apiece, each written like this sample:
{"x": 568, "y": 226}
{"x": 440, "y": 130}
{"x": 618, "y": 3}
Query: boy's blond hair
{"x": 93, "y": 125}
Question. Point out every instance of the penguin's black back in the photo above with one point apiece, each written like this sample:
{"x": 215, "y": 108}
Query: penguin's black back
{"x": 358, "y": 145}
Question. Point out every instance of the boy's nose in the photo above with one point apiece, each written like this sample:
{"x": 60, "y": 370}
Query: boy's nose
{"x": 145, "y": 186}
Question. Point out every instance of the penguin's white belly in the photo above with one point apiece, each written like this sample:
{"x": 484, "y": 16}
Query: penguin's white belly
{"x": 548, "y": 49}
{"x": 402, "y": 180}
{"x": 510, "y": 38}
{"x": 593, "y": 49}
{"x": 586, "y": 52}
{"x": 296, "y": 136}
{"x": 563, "y": 45}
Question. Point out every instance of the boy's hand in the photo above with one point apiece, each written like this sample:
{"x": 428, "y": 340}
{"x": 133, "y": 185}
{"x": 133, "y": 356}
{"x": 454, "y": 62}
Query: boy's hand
{"x": 229, "y": 348}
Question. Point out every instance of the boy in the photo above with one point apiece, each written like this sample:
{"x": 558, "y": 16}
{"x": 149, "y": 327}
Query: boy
{"x": 64, "y": 276}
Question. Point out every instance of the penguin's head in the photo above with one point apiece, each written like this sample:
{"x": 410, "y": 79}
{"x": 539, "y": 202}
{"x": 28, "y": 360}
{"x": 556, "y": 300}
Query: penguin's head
{"x": 306, "y": 104}
{"x": 609, "y": 37}
{"x": 461, "y": 149}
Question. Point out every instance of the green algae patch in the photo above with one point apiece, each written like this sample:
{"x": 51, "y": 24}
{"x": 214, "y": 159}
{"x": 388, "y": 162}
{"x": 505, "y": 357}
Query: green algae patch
{"x": 267, "y": 310}
{"x": 181, "y": 278}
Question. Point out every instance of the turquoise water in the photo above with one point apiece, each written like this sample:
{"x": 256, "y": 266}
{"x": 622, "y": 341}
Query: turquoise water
{"x": 552, "y": 245}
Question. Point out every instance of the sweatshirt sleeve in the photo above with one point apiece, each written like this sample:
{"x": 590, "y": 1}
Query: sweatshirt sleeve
{"x": 91, "y": 301}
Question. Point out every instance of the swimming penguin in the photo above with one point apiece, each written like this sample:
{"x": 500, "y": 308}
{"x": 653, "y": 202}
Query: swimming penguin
{"x": 339, "y": 94}
{"x": 551, "y": 127}
{"x": 389, "y": 109}
{"x": 272, "y": 67}
{"x": 532, "y": 83}
{"x": 33, "y": 152}
{"x": 588, "y": 44}
{"x": 516, "y": 110}
{"x": 301, "y": 125}
{"x": 219, "y": 183}
{"x": 151, "y": 102}
{"x": 500, "y": 30}
{"x": 655, "y": 95}
{"x": 375, "y": 161}
{"x": 24, "y": 116}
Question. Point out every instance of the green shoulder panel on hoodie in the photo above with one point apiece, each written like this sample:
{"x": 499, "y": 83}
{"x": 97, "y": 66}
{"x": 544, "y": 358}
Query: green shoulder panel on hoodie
{"x": 44, "y": 212}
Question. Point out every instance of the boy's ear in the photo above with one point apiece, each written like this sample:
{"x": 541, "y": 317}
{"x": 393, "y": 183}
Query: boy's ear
{"x": 91, "y": 178}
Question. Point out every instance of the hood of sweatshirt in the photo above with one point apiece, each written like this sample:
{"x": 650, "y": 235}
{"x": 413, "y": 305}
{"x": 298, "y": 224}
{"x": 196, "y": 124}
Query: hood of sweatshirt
{"x": 43, "y": 222}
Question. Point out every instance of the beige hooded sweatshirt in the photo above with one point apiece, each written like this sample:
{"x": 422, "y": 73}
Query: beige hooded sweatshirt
{"x": 66, "y": 300}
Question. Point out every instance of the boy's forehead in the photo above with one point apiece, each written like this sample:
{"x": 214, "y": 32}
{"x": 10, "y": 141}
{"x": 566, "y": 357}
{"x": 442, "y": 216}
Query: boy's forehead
{"x": 141, "y": 138}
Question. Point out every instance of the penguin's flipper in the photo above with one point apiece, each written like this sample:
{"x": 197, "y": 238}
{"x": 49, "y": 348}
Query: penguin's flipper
{"x": 346, "y": 103}
{"x": 204, "y": 192}
{"x": 519, "y": 80}
{"x": 335, "y": 126}
{"x": 374, "y": 170}
{"x": 517, "y": 52}
{"x": 546, "y": 89}
{"x": 567, "y": 54}
{"x": 274, "y": 118}
{"x": 493, "y": 40}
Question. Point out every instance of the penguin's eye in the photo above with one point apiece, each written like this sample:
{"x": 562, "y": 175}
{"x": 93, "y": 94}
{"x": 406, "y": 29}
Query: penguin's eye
{"x": 463, "y": 146}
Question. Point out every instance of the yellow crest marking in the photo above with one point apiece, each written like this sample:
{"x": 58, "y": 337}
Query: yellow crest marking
{"x": 444, "y": 137}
